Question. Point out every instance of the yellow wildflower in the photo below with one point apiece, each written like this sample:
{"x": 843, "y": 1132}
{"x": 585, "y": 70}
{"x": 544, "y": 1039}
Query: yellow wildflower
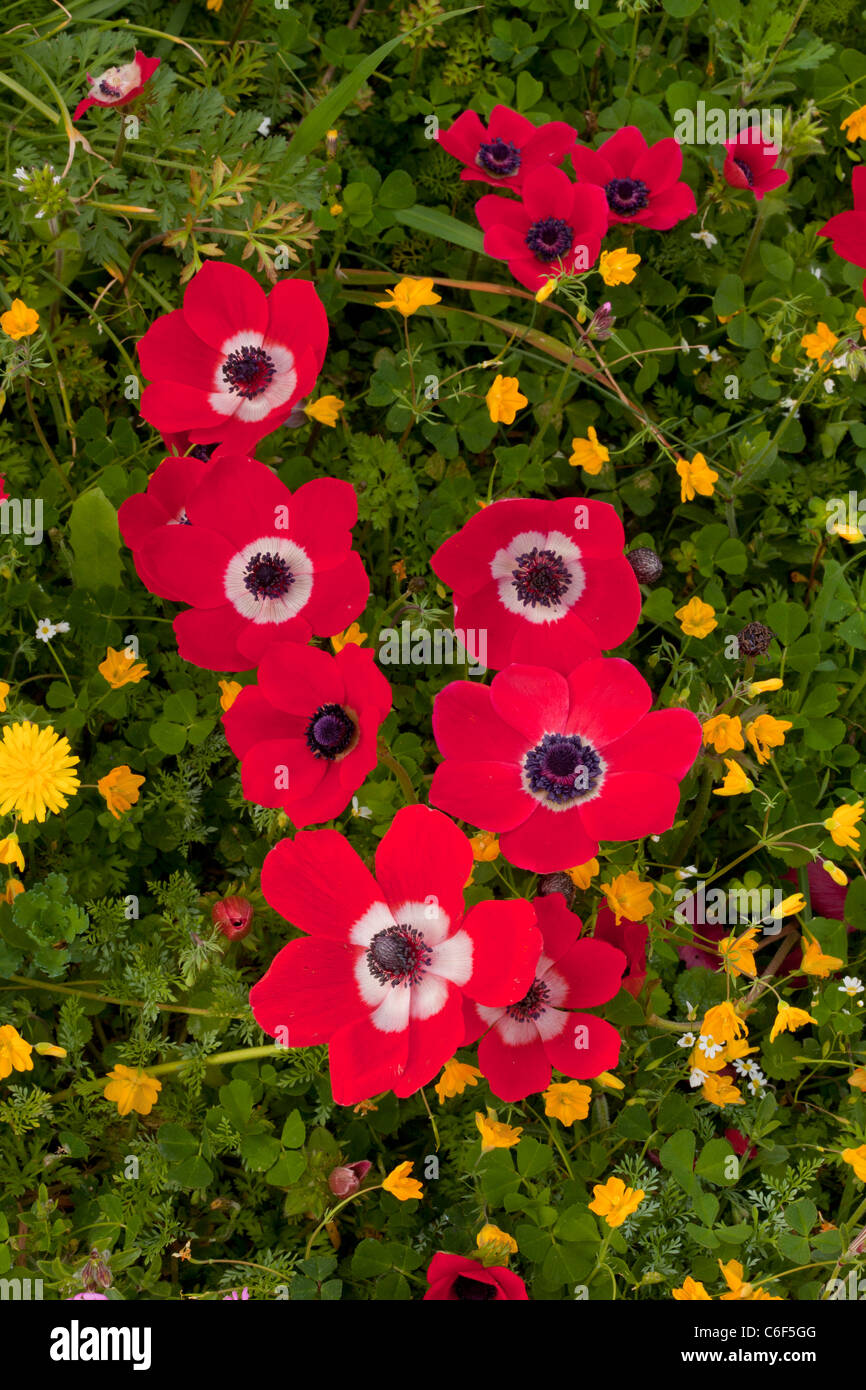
{"x": 765, "y": 733}
{"x": 121, "y": 668}
{"x": 401, "y": 1185}
{"x": 838, "y": 875}
{"x": 764, "y": 687}
{"x": 739, "y": 1289}
{"x": 326, "y": 410}
{"x": 132, "y": 1090}
{"x": 788, "y": 1020}
{"x": 697, "y": 619}
{"x": 546, "y": 291}
{"x": 725, "y": 733}
{"x": 858, "y": 1078}
{"x": 567, "y": 1101}
{"x": 854, "y": 124}
{"x": 4, "y": 691}
{"x": 614, "y": 1201}
{"x": 820, "y": 344}
{"x": 629, "y": 897}
{"x": 14, "y": 886}
{"x": 696, "y": 477}
{"x": 736, "y": 782}
{"x": 723, "y": 1023}
{"x": 815, "y": 962}
{"x": 120, "y": 787}
{"x": 19, "y": 321}
{"x": 738, "y": 953}
{"x": 456, "y": 1076}
{"x": 495, "y": 1135}
{"x": 857, "y": 1159}
{"x": 352, "y": 636}
{"x": 36, "y": 771}
{"x": 582, "y": 875}
{"x": 10, "y": 852}
{"x": 719, "y": 1090}
{"x": 618, "y": 267}
{"x": 788, "y": 907}
{"x": 588, "y": 454}
{"x": 14, "y": 1051}
{"x": 842, "y": 825}
{"x": 607, "y": 1078}
{"x": 504, "y": 400}
{"x": 230, "y": 692}
{"x": 501, "y": 1241}
{"x": 409, "y": 295}
{"x": 692, "y": 1291}
{"x": 46, "y": 1049}
{"x": 485, "y": 847}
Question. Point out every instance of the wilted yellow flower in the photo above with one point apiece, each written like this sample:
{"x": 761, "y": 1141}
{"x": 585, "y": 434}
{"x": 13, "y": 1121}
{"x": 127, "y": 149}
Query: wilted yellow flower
{"x": 588, "y": 454}
{"x": 500, "y": 1240}
{"x": 504, "y": 400}
{"x": 815, "y": 962}
{"x": 842, "y": 825}
{"x": 614, "y": 1201}
{"x": 788, "y": 1020}
{"x": 739, "y": 1290}
{"x": 788, "y": 907}
{"x": 485, "y": 847}
{"x": 408, "y": 295}
{"x": 120, "y": 787}
{"x": 738, "y": 953}
{"x": 545, "y": 292}
{"x": 723, "y": 1024}
{"x": 696, "y": 477}
{"x": 567, "y": 1101}
{"x": 618, "y": 267}
{"x": 765, "y": 733}
{"x": 132, "y": 1090}
{"x": 19, "y": 321}
{"x": 629, "y": 897}
{"x": 764, "y": 687}
{"x": 858, "y": 1078}
{"x": 736, "y": 782}
{"x": 852, "y": 534}
{"x": 14, "y": 886}
{"x": 692, "y": 1291}
{"x": 456, "y": 1076}
{"x": 352, "y": 636}
{"x": 725, "y": 733}
{"x": 10, "y": 852}
{"x": 121, "y": 668}
{"x": 4, "y": 691}
{"x": 37, "y": 771}
{"x": 854, "y": 124}
{"x": 14, "y": 1051}
{"x": 607, "y": 1078}
{"x": 230, "y": 692}
{"x": 857, "y": 1159}
{"x": 697, "y": 619}
{"x": 46, "y": 1049}
{"x": 582, "y": 875}
{"x": 719, "y": 1090}
{"x": 495, "y": 1135}
{"x": 819, "y": 343}
{"x": 838, "y": 875}
{"x": 326, "y": 410}
{"x": 401, "y": 1185}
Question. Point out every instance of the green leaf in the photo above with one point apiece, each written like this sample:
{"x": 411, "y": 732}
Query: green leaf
{"x": 730, "y": 297}
{"x": 260, "y": 1151}
{"x": 174, "y": 1142}
{"x": 440, "y": 224}
{"x": 714, "y": 1161}
{"x": 287, "y": 1169}
{"x": 193, "y": 1172}
{"x": 294, "y": 1131}
{"x": 169, "y": 738}
{"x": 95, "y": 541}
{"x": 236, "y": 1100}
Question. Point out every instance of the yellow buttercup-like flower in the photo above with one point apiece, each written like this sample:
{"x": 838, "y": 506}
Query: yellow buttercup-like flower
{"x": 765, "y": 733}
{"x": 353, "y": 636}
{"x": 495, "y": 1135}
{"x": 19, "y": 321}
{"x": 36, "y": 771}
{"x": 46, "y": 1049}
{"x": 14, "y": 886}
{"x": 629, "y": 896}
{"x": 504, "y": 400}
{"x": 120, "y": 787}
{"x": 401, "y": 1185}
{"x": 696, "y": 477}
{"x": 692, "y": 1291}
{"x": 738, "y": 953}
{"x": 788, "y": 1020}
{"x": 697, "y": 619}
{"x": 14, "y": 1051}
{"x": 485, "y": 847}
{"x": 4, "y": 691}
{"x": 588, "y": 454}
{"x": 326, "y": 410}
{"x": 858, "y": 1078}
{"x": 409, "y": 295}
{"x": 614, "y": 1201}
{"x": 582, "y": 875}
{"x": 719, "y": 1090}
{"x": 854, "y": 125}
{"x": 842, "y": 825}
{"x": 121, "y": 668}
{"x": 857, "y": 1159}
{"x": 738, "y": 1289}
{"x": 230, "y": 692}
{"x": 819, "y": 345}
{"x": 736, "y": 782}
{"x": 815, "y": 962}
{"x": 567, "y": 1101}
{"x": 131, "y": 1089}
{"x": 723, "y": 1024}
{"x": 618, "y": 267}
{"x": 491, "y": 1238}
{"x": 10, "y": 852}
{"x": 456, "y": 1076}
{"x": 724, "y": 732}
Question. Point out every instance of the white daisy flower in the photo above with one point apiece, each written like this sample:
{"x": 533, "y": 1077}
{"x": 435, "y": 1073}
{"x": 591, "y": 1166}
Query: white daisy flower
{"x": 851, "y": 985}
{"x": 706, "y": 237}
{"x": 687, "y": 1040}
{"x": 697, "y": 1078}
{"x": 709, "y": 1048}
{"x": 45, "y": 630}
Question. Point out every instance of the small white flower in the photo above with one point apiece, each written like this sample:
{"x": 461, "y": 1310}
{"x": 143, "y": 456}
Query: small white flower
{"x": 687, "y": 1040}
{"x": 697, "y": 1078}
{"x": 709, "y": 1048}
{"x": 61, "y": 627}
{"x": 684, "y": 346}
{"x": 363, "y": 811}
{"x": 691, "y": 1011}
{"x": 817, "y": 272}
{"x": 709, "y": 356}
{"x": 45, "y": 630}
{"x": 788, "y": 404}
{"x": 740, "y": 1067}
{"x": 829, "y": 385}
{"x": 756, "y": 1087}
{"x": 706, "y": 237}
{"x": 265, "y": 127}
{"x": 22, "y": 174}
{"x": 851, "y": 985}
{"x": 39, "y": 214}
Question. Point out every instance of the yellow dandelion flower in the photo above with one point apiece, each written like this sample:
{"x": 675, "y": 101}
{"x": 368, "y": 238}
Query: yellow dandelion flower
{"x": 36, "y": 771}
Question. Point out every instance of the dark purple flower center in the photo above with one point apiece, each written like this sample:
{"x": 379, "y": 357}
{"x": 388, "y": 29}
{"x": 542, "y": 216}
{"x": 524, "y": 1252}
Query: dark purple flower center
{"x": 532, "y": 1005}
{"x": 498, "y": 157}
{"x": 626, "y": 196}
{"x": 398, "y": 956}
{"x": 106, "y": 90}
{"x": 550, "y": 238}
{"x": 470, "y": 1290}
{"x": 202, "y": 452}
{"x": 562, "y": 768}
{"x": 329, "y": 732}
{"x": 248, "y": 371}
{"x": 268, "y": 576}
{"x": 745, "y": 170}
{"x": 541, "y": 578}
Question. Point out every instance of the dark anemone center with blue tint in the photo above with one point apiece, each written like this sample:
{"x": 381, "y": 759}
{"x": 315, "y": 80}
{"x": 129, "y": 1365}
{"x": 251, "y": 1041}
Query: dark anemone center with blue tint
{"x": 329, "y": 732}
{"x": 498, "y": 157}
{"x": 248, "y": 371}
{"x": 202, "y": 452}
{"x": 470, "y": 1290}
{"x": 532, "y": 1005}
{"x": 745, "y": 171}
{"x": 268, "y": 575}
{"x": 106, "y": 90}
{"x": 550, "y": 238}
{"x": 541, "y": 577}
{"x": 626, "y": 196}
{"x": 562, "y": 768}
{"x": 398, "y": 955}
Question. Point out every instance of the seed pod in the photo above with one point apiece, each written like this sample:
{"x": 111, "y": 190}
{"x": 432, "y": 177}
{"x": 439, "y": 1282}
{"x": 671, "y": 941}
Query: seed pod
{"x": 646, "y": 564}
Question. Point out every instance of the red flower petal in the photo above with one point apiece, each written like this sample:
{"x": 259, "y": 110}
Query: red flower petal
{"x": 424, "y": 855}
{"x": 608, "y": 697}
{"x": 489, "y": 795}
{"x": 548, "y": 841}
{"x": 467, "y": 728}
{"x": 309, "y": 991}
{"x": 318, "y": 883}
{"x": 513, "y": 1072}
{"x": 533, "y": 699}
{"x": 586, "y": 1048}
{"x": 593, "y": 971}
{"x": 221, "y": 301}
{"x": 506, "y": 945}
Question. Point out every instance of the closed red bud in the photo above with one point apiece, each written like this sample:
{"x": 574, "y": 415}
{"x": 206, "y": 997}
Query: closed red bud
{"x": 347, "y": 1179}
{"x": 233, "y": 916}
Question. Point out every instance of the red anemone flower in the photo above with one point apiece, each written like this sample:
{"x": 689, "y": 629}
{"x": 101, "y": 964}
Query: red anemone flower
{"x": 524, "y": 1041}
{"x": 541, "y": 582}
{"x": 508, "y": 149}
{"x": 257, "y": 563}
{"x": 556, "y": 227}
{"x": 458, "y": 1279}
{"x": 639, "y": 181}
{"x": 306, "y": 734}
{"x": 118, "y": 86}
{"x": 750, "y": 162}
{"x": 227, "y": 368}
{"x": 630, "y": 937}
{"x": 163, "y": 503}
{"x": 382, "y": 975}
{"x": 553, "y": 765}
{"x": 847, "y": 230}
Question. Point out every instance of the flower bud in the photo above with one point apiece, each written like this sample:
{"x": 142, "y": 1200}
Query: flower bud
{"x": 601, "y": 323}
{"x": 646, "y": 564}
{"x": 346, "y": 1179}
{"x": 755, "y": 639}
{"x": 233, "y": 916}
{"x": 556, "y": 883}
